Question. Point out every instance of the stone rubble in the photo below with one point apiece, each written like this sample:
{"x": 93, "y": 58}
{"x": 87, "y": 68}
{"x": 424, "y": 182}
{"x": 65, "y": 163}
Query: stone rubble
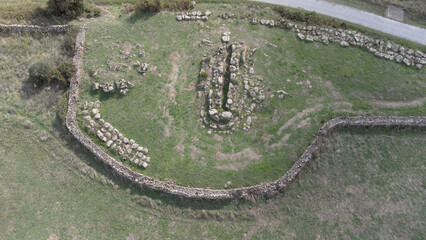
{"x": 193, "y": 16}
{"x": 229, "y": 87}
{"x": 257, "y": 191}
{"x": 111, "y": 137}
{"x": 122, "y": 86}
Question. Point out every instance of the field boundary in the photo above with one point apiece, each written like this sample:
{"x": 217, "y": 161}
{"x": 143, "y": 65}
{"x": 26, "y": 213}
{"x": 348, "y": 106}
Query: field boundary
{"x": 256, "y": 191}
{"x": 16, "y": 28}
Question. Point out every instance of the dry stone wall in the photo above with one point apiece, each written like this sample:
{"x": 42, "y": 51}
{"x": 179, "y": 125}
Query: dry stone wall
{"x": 346, "y": 37}
{"x": 128, "y": 149}
{"x": 33, "y": 28}
{"x": 256, "y": 191}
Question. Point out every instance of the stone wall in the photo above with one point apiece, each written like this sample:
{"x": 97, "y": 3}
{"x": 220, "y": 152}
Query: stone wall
{"x": 256, "y": 191}
{"x": 33, "y": 28}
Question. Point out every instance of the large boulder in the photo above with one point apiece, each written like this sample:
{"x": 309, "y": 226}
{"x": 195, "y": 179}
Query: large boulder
{"x": 344, "y": 43}
{"x": 227, "y": 115}
{"x": 226, "y": 38}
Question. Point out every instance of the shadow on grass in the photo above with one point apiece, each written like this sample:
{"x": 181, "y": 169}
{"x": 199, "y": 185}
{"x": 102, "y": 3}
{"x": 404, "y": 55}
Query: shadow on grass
{"x": 103, "y": 96}
{"x": 137, "y": 16}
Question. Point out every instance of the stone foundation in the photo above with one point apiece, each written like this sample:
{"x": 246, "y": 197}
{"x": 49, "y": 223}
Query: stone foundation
{"x": 256, "y": 191}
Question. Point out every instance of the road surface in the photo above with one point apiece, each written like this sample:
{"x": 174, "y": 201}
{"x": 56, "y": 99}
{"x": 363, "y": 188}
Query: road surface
{"x": 379, "y": 23}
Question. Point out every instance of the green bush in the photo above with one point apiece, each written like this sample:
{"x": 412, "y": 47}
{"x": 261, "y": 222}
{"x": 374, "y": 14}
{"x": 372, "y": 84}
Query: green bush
{"x": 158, "y": 5}
{"x": 63, "y": 107}
{"x": 68, "y": 45}
{"x": 90, "y": 10}
{"x": 299, "y": 16}
{"x": 40, "y": 72}
{"x": 204, "y": 75}
{"x": 68, "y": 8}
{"x": 150, "y": 5}
{"x": 97, "y": 12}
{"x": 63, "y": 72}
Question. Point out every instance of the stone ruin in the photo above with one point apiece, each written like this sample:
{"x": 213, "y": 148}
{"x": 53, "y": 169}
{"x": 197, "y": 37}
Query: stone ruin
{"x": 345, "y": 37}
{"x": 122, "y": 86}
{"x": 229, "y": 87}
{"x": 193, "y": 16}
{"x": 113, "y": 139}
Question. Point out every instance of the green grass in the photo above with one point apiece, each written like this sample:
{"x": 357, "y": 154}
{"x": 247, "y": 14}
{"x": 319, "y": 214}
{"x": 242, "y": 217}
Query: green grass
{"x": 345, "y": 81}
{"x": 365, "y": 184}
{"x": 371, "y": 188}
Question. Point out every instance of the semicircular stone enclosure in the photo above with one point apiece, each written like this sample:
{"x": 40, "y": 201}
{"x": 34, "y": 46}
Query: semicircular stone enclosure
{"x": 195, "y": 101}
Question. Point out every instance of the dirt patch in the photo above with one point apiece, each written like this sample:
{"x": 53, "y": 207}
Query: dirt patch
{"x": 127, "y": 47}
{"x": 195, "y": 153}
{"x": 179, "y": 148}
{"x": 217, "y": 137}
{"x": 303, "y": 123}
{"x": 282, "y": 141}
{"x": 173, "y": 75}
{"x": 334, "y": 92}
{"x": 247, "y": 155}
{"x": 53, "y": 237}
{"x": 154, "y": 46}
{"x": 170, "y": 120}
{"x": 172, "y": 91}
{"x": 298, "y": 116}
{"x": 398, "y": 104}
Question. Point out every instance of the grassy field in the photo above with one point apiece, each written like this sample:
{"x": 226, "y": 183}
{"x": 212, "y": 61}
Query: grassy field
{"x": 367, "y": 184}
{"x": 161, "y": 112}
{"x": 414, "y": 10}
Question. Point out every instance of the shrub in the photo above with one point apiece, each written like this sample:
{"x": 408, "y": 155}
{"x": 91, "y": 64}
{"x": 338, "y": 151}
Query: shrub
{"x": 63, "y": 107}
{"x": 63, "y": 72}
{"x": 150, "y": 5}
{"x": 68, "y": 8}
{"x": 97, "y": 12}
{"x": 204, "y": 75}
{"x": 158, "y": 5}
{"x": 68, "y": 45}
{"x": 91, "y": 11}
{"x": 40, "y": 72}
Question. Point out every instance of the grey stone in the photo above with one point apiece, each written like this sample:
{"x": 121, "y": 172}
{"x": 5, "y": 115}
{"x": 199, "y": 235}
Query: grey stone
{"x": 226, "y": 38}
{"x": 309, "y": 38}
{"x": 344, "y": 43}
{"x": 407, "y": 61}
{"x": 226, "y": 115}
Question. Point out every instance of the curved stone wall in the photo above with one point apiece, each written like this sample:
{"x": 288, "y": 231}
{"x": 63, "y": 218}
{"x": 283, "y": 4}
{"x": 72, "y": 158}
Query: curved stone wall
{"x": 256, "y": 191}
{"x": 33, "y": 28}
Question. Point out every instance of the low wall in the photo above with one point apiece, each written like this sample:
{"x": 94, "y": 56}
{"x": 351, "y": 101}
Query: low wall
{"x": 256, "y": 191}
{"x": 33, "y": 28}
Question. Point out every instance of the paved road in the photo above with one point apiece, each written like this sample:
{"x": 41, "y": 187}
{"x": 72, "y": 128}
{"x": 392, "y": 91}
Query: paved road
{"x": 382, "y": 24}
